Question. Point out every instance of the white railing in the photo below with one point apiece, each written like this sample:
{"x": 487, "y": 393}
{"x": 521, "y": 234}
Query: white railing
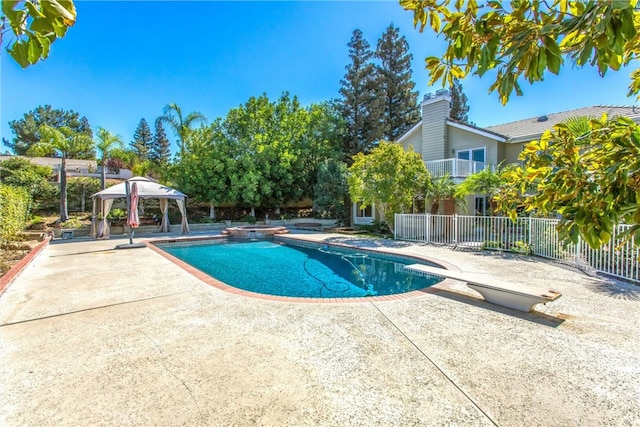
{"x": 537, "y": 236}
{"x": 455, "y": 168}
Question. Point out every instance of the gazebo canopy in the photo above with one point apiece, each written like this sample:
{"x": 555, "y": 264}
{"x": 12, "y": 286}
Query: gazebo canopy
{"x": 146, "y": 189}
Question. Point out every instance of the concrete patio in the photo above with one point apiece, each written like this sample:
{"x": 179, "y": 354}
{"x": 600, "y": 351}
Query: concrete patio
{"x": 96, "y": 336}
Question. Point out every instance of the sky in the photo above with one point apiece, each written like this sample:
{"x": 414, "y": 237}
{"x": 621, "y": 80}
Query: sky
{"x": 125, "y": 60}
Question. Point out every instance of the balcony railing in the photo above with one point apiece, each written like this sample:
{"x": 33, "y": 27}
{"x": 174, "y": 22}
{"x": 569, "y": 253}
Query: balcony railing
{"x": 455, "y": 168}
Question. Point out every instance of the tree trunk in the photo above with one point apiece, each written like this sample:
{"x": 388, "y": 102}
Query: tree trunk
{"x": 82, "y": 193}
{"x": 253, "y": 211}
{"x": 212, "y": 211}
{"x": 435, "y": 207}
{"x": 103, "y": 176}
{"x": 64, "y": 214}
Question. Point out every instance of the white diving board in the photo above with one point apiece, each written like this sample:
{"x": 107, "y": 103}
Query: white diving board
{"x": 500, "y": 294}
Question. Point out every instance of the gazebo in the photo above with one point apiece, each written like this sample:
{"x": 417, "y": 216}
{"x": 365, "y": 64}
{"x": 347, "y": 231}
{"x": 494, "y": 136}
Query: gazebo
{"x": 147, "y": 189}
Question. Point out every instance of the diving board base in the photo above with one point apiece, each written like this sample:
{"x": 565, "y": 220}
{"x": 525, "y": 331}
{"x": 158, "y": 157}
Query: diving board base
{"x": 502, "y": 294}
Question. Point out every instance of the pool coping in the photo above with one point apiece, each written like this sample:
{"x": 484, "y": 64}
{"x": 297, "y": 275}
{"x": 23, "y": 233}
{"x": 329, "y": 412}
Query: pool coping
{"x": 444, "y": 285}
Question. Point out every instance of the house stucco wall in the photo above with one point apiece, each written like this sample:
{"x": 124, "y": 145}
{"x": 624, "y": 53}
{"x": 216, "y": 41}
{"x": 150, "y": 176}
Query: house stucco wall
{"x": 414, "y": 140}
{"x": 512, "y": 151}
{"x": 462, "y": 140}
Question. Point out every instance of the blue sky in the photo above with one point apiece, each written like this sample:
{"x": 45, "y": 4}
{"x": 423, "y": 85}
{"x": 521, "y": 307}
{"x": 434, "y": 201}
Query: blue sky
{"x": 123, "y": 61}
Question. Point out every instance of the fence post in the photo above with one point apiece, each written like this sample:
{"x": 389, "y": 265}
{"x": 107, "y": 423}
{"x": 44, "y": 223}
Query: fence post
{"x": 455, "y": 228}
{"x": 427, "y": 237}
{"x": 395, "y": 228}
{"x": 529, "y": 236}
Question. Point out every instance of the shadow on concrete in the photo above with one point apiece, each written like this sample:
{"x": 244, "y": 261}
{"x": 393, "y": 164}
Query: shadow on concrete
{"x": 534, "y": 316}
{"x": 614, "y": 289}
{"x": 84, "y": 252}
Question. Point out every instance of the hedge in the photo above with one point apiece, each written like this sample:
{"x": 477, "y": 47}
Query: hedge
{"x": 14, "y": 211}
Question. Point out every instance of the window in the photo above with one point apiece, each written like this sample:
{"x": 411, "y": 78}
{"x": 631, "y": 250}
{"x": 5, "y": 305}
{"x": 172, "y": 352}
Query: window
{"x": 364, "y": 212}
{"x": 476, "y": 154}
{"x": 481, "y": 206}
{"x": 363, "y": 216}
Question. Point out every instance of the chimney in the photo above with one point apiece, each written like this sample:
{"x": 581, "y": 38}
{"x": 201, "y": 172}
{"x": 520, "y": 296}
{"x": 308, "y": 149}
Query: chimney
{"x": 435, "y": 112}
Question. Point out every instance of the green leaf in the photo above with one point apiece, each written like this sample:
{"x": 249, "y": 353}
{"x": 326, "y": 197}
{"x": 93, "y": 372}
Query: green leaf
{"x": 33, "y": 10}
{"x": 42, "y": 25}
{"x": 45, "y": 43}
{"x": 34, "y": 51}
{"x": 60, "y": 9}
{"x": 20, "y": 53}
{"x": 553, "y": 62}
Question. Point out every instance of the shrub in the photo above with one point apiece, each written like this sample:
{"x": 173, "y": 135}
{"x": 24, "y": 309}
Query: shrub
{"x": 522, "y": 248}
{"x": 72, "y": 223}
{"x": 249, "y": 219}
{"x": 14, "y": 211}
{"x": 492, "y": 244}
{"x": 117, "y": 214}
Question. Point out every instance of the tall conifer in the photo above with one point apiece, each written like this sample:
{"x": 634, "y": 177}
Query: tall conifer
{"x": 400, "y": 99}
{"x": 142, "y": 140}
{"x": 360, "y": 105}
{"x": 160, "y": 151}
{"x": 459, "y": 107}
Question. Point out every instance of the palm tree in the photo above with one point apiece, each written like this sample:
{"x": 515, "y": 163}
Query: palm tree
{"x": 63, "y": 142}
{"x": 439, "y": 189}
{"x": 486, "y": 182}
{"x": 172, "y": 116}
{"x": 106, "y": 143}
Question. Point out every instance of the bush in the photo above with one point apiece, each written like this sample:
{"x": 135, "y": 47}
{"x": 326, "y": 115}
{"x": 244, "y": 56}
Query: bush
{"x": 522, "y": 248}
{"x": 14, "y": 211}
{"x": 72, "y": 223}
{"x": 248, "y": 218}
{"x": 492, "y": 244}
{"x": 117, "y": 214}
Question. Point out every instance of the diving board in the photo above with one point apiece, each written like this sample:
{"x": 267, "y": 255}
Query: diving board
{"x": 505, "y": 295}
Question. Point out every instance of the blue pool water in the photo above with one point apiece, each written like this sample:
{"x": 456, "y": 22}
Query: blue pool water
{"x": 308, "y": 270}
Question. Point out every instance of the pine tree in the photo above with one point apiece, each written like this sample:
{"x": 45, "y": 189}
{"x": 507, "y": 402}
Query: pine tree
{"x": 160, "y": 151}
{"x": 142, "y": 140}
{"x": 360, "y": 105}
{"x": 400, "y": 99}
{"x": 459, "y": 107}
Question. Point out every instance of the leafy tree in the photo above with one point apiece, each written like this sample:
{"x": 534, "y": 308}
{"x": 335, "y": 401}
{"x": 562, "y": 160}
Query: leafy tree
{"x": 27, "y": 129}
{"x": 592, "y": 180}
{"x": 400, "y": 109}
{"x": 268, "y": 140}
{"x": 206, "y": 166}
{"x": 35, "y": 25}
{"x": 174, "y": 118}
{"x": 142, "y": 140}
{"x": 160, "y": 152}
{"x": 331, "y": 190}
{"x": 387, "y": 178}
{"x": 525, "y": 39}
{"x": 106, "y": 143}
{"x": 360, "y": 105}
{"x": 459, "y": 108}
{"x": 79, "y": 189}
{"x": 323, "y": 132}
{"x": 20, "y": 172}
{"x": 62, "y": 141}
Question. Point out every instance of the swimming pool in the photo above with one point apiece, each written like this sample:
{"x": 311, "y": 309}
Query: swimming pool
{"x": 297, "y": 269}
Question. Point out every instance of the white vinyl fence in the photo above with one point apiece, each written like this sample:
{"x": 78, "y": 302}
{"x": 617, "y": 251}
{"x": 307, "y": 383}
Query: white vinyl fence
{"x": 537, "y": 236}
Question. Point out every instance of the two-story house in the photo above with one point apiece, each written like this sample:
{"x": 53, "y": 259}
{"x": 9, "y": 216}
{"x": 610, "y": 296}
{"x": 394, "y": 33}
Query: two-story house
{"x": 459, "y": 149}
